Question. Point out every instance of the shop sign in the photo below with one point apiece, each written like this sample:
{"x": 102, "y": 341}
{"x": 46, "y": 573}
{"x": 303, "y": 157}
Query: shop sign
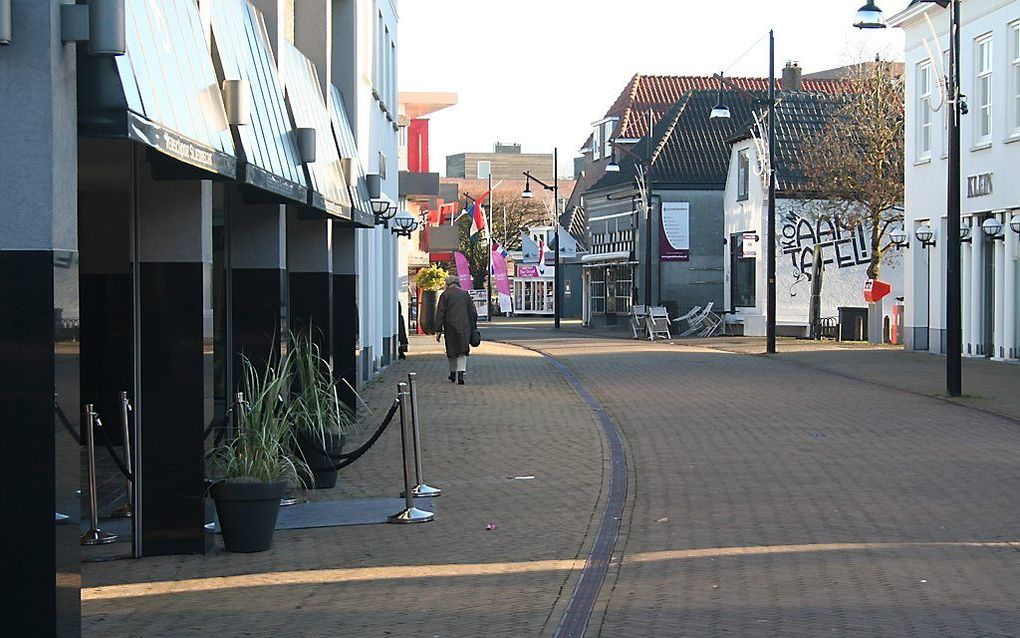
{"x": 530, "y": 271}
{"x": 675, "y": 235}
{"x": 481, "y": 299}
{"x": 749, "y": 245}
{"x": 979, "y": 185}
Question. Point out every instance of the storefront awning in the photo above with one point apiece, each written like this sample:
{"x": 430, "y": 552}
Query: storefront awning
{"x": 162, "y": 92}
{"x": 601, "y": 258}
{"x": 329, "y": 190}
{"x": 361, "y": 204}
{"x": 267, "y": 153}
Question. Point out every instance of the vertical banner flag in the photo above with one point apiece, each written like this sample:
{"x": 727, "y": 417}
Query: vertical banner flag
{"x": 541, "y": 256}
{"x": 477, "y": 213}
{"x": 675, "y": 238}
{"x": 502, "y": 280}
{"x": 463, "y": 270}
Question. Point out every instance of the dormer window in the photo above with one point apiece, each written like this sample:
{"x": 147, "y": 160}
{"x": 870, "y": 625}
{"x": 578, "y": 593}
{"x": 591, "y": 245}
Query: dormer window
{"x": 602, "y": 138}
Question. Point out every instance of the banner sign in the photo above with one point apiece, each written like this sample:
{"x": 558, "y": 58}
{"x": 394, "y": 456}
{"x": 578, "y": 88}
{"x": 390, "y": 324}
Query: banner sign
{"x": 530, "y": 271}
{"x": 748, "y": 245}
{"x": 481, "y": 299}
{"x": 463, "y": 270}
{"x": 502, "y": 279}
{"x": 675, "y": 236}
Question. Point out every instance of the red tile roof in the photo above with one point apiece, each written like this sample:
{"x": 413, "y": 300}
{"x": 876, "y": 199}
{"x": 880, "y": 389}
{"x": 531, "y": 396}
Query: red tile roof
{"x": 660, "y": 92}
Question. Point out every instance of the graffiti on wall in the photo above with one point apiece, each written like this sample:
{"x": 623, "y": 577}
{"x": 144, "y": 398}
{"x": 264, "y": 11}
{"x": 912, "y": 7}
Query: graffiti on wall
{"x": 841, "y": 247}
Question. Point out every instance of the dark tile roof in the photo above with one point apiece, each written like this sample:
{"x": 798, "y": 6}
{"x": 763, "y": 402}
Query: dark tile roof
{"x": 688, "y": 148}
{"x": 799, "y": 116}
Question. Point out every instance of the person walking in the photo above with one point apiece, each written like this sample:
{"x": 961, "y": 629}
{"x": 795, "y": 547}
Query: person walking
{"x": 457, "y": 320}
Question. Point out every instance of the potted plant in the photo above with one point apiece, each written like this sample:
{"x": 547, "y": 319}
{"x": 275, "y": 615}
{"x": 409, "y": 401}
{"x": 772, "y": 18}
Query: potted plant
{"x": 253, "y": 467}
{"x": 430, "y": 281}
{"x": 321, "y": 420}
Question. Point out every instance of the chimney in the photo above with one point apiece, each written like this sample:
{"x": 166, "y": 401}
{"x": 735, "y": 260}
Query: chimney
{"x": 791, "y": 77}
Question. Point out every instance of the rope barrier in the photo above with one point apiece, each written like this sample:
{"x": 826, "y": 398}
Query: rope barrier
{"x": 67, "y": 424}
{"x": 350, "y": 457}
{"x": 113, "y": 454}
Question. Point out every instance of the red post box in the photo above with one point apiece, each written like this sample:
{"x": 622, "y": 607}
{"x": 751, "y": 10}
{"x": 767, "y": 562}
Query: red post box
{"x": 875, "y": 290}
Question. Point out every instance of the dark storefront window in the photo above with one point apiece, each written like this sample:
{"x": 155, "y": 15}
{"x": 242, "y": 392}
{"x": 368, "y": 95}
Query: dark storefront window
{"x": 742, "y": 274}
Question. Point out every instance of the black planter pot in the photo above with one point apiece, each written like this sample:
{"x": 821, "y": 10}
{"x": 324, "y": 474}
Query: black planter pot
{"x": 247, "y": 511}
{"x": 322, "y": 461}
{"x": 427, "y": 314}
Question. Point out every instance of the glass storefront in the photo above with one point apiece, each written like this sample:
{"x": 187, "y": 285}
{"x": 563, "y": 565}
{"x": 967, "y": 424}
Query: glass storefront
{"x": 534, "y": 296}
{"x": 610, "y": 289}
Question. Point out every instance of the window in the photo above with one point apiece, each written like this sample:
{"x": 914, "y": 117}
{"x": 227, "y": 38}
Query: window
{"x": 484, "y": 169}
{"x": 607, "y": 136}
{"x": 596, "y": 142}
{"x": 983, "y": 90}
{"x": 742, "y": 275}
{"x": 1014, "y": 78}
{"x": 743, "y": 174}
{"x": 923, "y": 115}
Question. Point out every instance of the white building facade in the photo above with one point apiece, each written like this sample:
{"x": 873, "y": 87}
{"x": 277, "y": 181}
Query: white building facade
{"x": 990, "y": 150}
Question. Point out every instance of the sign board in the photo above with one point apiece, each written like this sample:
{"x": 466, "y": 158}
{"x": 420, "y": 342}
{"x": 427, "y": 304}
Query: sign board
{"x": 530, "y": 271}
{"x": 443, "y": 239}
{"x": 481, "y": 299}
{"x": 749, "y": 245}
{"x": 979, "y": 185}
{"x": 675, "y": 235}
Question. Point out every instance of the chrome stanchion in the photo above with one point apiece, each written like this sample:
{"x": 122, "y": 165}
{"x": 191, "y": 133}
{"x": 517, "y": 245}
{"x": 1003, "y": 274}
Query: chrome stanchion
{"x": 124, "y": 511}
{"x": 410, "y": 513}
{"x": 421, "y": 488}
{"x": 94, "y": 536}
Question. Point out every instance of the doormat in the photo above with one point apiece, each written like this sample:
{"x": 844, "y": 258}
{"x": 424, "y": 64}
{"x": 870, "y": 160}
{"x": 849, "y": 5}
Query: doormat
{"x": 308, "y": 515}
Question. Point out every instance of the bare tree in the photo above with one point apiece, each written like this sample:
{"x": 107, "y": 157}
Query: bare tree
{"x": 855, "y": 164}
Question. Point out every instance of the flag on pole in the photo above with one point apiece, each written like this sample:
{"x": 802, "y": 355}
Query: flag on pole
{"x": 463, "y": 270}
{"x": 541, "y": 256}
{"x": 477, "y": 213}
{"x": 500, "y": 274}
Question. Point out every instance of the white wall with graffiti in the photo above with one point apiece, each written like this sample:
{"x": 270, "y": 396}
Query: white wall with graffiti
{"x": 800, "y": 226}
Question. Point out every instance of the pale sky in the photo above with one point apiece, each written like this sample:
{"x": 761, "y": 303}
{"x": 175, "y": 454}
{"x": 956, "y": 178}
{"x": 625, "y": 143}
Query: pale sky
{"x": 539, "y": 72}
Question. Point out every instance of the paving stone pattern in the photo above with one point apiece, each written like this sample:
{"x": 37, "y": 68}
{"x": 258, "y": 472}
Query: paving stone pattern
{"x": 772, "y": 499}
{"x": 515, "y": 417}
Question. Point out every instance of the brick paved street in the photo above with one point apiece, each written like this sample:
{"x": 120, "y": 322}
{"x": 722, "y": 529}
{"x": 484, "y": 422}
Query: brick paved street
{"x": 766, "y": 498}
{"x": 771, "y": 499}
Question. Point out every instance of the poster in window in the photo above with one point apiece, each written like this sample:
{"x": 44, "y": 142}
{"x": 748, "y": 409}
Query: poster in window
{"x": 675, "y": 235}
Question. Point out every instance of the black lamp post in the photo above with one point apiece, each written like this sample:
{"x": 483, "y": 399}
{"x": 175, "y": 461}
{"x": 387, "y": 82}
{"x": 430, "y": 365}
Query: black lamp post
{"x": 722, "y": 112}
{"x": 555, "y": 188}
{"x": 870, "y": 17}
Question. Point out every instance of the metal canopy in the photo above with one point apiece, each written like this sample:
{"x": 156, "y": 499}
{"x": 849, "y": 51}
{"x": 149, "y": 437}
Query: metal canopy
{"x": 361, "y": 204}
{"x": 308, "y": 106}
{"x": 163, "y": 92}
{"x": 268, "y": 157}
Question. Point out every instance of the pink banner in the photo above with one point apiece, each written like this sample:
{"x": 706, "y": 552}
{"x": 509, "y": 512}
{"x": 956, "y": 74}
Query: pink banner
{"x": 499, "y": 271}
{"x": 463, "y": 270}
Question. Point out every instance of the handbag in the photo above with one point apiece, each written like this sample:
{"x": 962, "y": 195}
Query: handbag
{"x": 476, "y": 338}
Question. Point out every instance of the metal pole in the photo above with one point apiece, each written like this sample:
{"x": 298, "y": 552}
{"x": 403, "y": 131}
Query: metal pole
{"x": 94, "y": 536}
{"x": 420, "y": 489}
{"x": 238, "y": 424}
{"x": 927, "y": 321}
{"x": 488, "y": 274}
{"x": 124, "y": 511}
{"x": 410, "y": 513}
{"x": 137, "y": 509}
{"x": 770, "y": 318}
{"x": 557, "y": 311}
{"x": 954, "y": 327}
{"x": 648, "y": 216}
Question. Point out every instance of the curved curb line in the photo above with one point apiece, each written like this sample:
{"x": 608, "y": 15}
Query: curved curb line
{"x": 574, "y": 621}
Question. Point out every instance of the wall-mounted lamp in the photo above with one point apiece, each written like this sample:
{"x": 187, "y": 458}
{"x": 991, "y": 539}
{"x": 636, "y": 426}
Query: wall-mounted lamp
{"x": 925, "y": 235}
{"x": 992, "y": 228}
{"x": 305, "y": 139}
{"x": 965, "y": 232}
{"x": 1014, "y": 223}
{"x": 237, "y": 102}
{"x": 898, "y": 237}
{"x": 384, "y": 210}
{"x": 404, "y": 224}
{"x": 101, "y": 23}
{"x": 5, "y": 22}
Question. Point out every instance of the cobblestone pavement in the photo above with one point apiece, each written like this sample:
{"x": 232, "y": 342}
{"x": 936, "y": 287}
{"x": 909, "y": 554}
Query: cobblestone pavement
{"x": 451, "y": 577}
{"x": 772, "y": 499}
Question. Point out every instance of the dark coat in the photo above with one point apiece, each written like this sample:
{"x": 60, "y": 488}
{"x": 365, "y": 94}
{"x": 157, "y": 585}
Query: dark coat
{"x": 457, "y": 318}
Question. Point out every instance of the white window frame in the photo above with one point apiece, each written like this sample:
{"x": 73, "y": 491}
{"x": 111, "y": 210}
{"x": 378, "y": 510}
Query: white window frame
{"x": 984, "y": 78}
{"x": 743, "y": 174}
{"x": 1014, "y": 79}
{"x": 596, "y": 142}
{"x": 607, "y": 138}
{"x": 488, "y": 169}
{"x": 923, "y": 115}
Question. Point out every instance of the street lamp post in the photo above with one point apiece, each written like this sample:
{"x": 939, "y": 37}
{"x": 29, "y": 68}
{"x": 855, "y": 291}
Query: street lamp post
{"x": 555, "y": 188}
{"x": 722, "y": 112}
{"x": 870, "y": 17}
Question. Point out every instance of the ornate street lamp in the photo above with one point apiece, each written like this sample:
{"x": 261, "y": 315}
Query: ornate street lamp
{"x": 898, "y": 237}
{"x": 555, "y": 188}
{"x": 925, "y": 235}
